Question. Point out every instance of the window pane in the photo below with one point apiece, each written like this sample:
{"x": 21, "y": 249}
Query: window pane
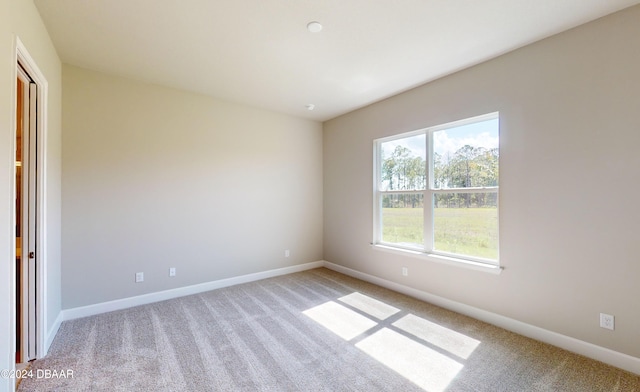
{"x": 403, "y": 220}
{"x": 466, "y": 224}
{"x": 466, "y": 156}
{"x": 403, "y": 164}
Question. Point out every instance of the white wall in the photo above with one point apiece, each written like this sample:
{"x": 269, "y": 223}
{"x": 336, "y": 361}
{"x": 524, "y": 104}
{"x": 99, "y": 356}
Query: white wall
{"x": 569, "y": 182}
{"x": 20, "y": 18}
{"x": 156, "y": 178}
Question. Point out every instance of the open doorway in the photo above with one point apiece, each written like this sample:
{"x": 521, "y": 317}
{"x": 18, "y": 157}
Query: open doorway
{"x": 30, "y": 312}
{"x": 26, "y": 215}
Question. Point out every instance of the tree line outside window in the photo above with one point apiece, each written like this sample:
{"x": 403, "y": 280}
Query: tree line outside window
{"x": 467, "y": 167}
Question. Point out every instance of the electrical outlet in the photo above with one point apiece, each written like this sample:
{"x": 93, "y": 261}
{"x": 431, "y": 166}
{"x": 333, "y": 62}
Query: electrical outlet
{"x": 139, "y": 277}
{"x": 172, "y": 271}
{"x": 287, "y": 253}
{"x": 405, "y": 271}
{"x": 607, "y": 321}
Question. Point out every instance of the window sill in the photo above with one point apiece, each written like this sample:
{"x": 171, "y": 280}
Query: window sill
{"x": 493, "y": 269}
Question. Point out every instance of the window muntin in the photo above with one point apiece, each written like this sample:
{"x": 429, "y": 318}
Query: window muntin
{"x": 457, "y": 213}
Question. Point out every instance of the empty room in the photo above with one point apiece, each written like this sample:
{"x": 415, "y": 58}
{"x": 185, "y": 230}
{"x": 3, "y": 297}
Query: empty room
{"x": 319, "y": 195}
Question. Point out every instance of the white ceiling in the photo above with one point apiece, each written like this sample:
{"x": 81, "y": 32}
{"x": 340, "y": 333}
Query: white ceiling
{"x": 259, "y": 52}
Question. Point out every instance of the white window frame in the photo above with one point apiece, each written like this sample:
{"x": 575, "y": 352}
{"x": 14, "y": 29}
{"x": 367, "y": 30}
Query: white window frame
{"x": 428, "y": 193}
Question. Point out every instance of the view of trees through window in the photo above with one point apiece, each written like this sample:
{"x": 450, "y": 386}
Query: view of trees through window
{"x": 455, "y": 171}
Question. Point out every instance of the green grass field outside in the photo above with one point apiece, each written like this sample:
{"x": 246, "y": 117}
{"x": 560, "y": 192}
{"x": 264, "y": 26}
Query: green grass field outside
{"x": 466, "y": 231}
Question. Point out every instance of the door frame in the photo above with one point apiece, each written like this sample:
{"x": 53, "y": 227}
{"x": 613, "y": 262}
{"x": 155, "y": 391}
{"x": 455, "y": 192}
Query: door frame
{"x": 26, "y": 312}
{"x": 27, "y": 62}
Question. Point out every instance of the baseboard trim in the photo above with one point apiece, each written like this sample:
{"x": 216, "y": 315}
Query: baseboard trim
{"x": 103, "y": 307}
{"x": 608, "y": 356}
{"x": 52, "y": 333}
{"x": 602, "y": 354}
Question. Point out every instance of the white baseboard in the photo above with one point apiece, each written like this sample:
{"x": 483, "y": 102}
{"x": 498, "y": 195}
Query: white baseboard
{"x": 614, "y": 358}
{"x": 52, "y": 333}
{"x": 103, "y": 307}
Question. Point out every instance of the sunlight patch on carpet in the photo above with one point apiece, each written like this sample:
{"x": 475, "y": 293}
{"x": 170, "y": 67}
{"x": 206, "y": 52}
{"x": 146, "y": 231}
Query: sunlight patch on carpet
{"x": 445, "y": 338}
{"x": 338, "y": 319}
{"x": 421, "y": 365}
{"x": 371, "y": 306}
{"x": 420, "y": 350}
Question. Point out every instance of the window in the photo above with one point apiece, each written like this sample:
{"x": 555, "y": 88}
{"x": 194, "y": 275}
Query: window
{"x": 437, "y": 190}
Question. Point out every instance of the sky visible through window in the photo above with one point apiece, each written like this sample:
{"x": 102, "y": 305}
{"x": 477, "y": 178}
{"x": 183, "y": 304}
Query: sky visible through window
{"x": 480, "y": 134}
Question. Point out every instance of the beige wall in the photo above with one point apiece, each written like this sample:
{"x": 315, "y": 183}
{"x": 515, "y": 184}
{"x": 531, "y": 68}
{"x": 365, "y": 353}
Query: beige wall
{"x": 156, "y": 178}
{"x": 569, "y": 185}
{"x": 6, "y": 173}
{"x": 20, "y": 18}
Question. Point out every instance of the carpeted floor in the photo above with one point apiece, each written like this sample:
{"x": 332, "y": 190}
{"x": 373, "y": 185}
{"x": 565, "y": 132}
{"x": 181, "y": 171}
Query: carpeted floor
{"x": 311, "y": 331}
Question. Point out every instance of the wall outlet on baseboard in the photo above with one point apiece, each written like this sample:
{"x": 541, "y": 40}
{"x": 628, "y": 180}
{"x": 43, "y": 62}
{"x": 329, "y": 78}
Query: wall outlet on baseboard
{"x": 172, "y": 271}
{"x": 405, "y": 271}
{"x": 287, "y": 253}
{"x": 139, "y": 277}
{"x": 607, "y": 321}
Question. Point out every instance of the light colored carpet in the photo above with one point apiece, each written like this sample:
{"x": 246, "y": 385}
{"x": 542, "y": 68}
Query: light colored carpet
{"x": 311, "y": 331}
